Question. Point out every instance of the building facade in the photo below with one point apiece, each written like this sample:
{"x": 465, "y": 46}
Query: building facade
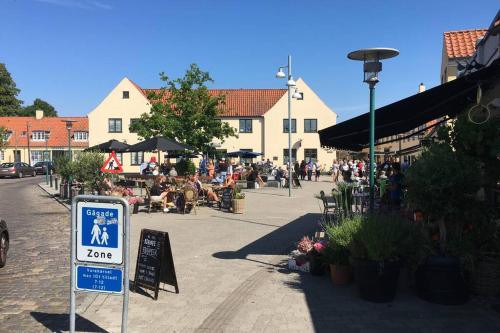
{"x": 39, "y": 138}
{"x": 258, "y": 115}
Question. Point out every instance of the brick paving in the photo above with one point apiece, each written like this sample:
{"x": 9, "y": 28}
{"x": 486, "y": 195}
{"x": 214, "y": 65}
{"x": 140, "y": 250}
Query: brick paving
{"x": 34, "y": 285}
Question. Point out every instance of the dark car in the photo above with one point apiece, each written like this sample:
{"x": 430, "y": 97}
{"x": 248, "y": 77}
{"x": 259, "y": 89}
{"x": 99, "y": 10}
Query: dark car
{"x": 16, "y": 169}
{"x": 41, "y": 167}
{"x": 4, "y": 242}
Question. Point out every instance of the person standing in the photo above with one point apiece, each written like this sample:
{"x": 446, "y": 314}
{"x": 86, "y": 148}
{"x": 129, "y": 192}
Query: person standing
{"x": 335, "y": 171}
{"x": 309, "y": 170}
{"x": 303, "y": 171}
{"x": 223, "y": 169}
{"x": 316, "y": 170}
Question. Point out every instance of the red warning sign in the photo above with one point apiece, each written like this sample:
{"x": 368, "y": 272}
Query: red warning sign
{"x": 112, "y": 164}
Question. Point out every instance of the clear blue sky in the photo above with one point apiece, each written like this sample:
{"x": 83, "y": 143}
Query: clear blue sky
{"x": 73, "y": 52}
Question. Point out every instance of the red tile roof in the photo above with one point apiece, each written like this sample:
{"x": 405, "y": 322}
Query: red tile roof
{"x": 56, "y": 125}
{"x": 462, "y": 44}
{"x": 242, "y": 102}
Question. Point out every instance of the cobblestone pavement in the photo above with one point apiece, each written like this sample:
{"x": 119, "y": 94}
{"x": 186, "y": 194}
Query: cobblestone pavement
{"x": 34, "y": 285}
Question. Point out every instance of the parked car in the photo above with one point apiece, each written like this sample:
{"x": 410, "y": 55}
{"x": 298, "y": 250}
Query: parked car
{"x": 41, "y": 167}
{"x": 16, "y": 169}
{"x": 4, "y": 242}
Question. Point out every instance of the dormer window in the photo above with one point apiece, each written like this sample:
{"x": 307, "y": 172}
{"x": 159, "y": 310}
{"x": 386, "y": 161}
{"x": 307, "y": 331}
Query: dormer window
{"x": 125, "y": 94}
{"x": 81, "y": 136}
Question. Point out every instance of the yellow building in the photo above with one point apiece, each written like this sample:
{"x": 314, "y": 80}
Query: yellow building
{"x": 39, "y": 138}
{"x": 259, "y": 116}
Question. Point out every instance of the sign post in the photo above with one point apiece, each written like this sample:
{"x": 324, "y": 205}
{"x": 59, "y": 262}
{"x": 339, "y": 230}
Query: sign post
{"x": 100, "y": 228}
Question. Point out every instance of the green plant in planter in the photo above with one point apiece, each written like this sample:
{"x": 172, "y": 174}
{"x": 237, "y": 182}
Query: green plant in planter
{"x": 87, "y": 169}
{"x": 185, "y": 167}
{"x": 64, "y": 167}
{"x": 343, "y": 195}
{"x": 237, "y": 194}
{"x": 340, "y": 240}
{"x": 381, "y": 238}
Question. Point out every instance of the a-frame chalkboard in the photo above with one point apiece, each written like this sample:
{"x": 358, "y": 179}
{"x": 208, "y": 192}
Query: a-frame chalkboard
{"x": 155, "y": 262}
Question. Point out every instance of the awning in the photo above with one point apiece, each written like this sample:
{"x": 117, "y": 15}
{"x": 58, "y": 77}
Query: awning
{"x": 448, "y": 99}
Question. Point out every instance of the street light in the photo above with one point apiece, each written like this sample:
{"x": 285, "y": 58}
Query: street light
{"x": 46, "y": 157}
{"x": 69, "y": 126}
{"x": 290, "y": 83}
{"x": 371, "y": 67}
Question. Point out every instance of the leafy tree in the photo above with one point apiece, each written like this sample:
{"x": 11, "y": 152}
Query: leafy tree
{"x": 185, "y": 111}
{"x": 39, "y": 104}
{"x": 3, "y": 137}
{"x": 9, "y": 104}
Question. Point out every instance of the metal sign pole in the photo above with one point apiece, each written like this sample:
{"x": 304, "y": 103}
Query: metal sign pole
{"x": 99, "y": 266}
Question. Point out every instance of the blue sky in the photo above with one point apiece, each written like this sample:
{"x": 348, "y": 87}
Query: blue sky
{"x": 73, "y": 52}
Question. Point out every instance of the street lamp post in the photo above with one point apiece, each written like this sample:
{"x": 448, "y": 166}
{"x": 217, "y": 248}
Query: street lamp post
{"x": 69, "y": 125}
{"x": 371, "y": 67}
{"x": 46, "y": 158}
{"x": 290, "y": 83}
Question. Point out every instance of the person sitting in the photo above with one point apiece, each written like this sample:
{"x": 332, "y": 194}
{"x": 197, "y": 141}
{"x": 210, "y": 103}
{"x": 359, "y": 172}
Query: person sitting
{"x": 173, "y": 172}
{"x": 159, "y": 193}
{"x": 106, "y": 186}
{"x": 207, "y": 192}
{"x": 229, "y": 183}
{"x": 280, "y": 176}
{"x": 254, "y": 177}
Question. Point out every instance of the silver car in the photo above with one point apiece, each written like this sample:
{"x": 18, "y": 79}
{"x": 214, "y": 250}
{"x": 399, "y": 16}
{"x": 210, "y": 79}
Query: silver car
{"x": 16, "y": 169}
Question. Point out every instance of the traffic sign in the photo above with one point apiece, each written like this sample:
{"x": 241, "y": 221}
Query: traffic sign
{"x": 99, "y": 232}
{"x": 112, "y": 164}
{"x": 99, "y": 279}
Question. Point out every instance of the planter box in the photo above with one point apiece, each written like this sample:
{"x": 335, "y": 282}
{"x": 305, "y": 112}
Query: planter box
{"x": 238, "y": 206}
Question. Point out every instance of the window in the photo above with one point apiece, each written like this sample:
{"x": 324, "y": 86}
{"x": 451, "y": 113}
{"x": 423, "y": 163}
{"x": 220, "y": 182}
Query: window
{"x": 38, "y": 136}
{"x": 133, "y": 121}
{"x": 119, "y": 156}
{"x": 310, "y": 125}
{"x": 125, "y": 94}
{"x": 311, "y": 154}
{"x": 2, "y": 155}
{"x": 245, "y": 125}
{"x": 285, "y": 125}
{"x": 36, "y": 156}
{"x": 285, "y": 155}
{"x": 136, "y": 158}
{"x": 23, "y": 133}
{"x": 81, "y": 136}
{"x": 246, "y": 160}
{"x": 114, "y": 125}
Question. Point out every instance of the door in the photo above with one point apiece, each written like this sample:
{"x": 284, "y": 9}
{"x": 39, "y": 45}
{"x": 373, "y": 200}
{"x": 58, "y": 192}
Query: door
{"x": 17, "y": 156}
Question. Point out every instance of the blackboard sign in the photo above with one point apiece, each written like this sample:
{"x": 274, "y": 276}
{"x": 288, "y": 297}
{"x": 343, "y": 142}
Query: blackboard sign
{"x": 227, "y": 199}
{"x": 155, "y": 263}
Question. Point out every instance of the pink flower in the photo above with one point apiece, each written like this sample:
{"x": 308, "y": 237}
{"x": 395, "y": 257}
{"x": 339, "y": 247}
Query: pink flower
{"x": 319, "y": 247}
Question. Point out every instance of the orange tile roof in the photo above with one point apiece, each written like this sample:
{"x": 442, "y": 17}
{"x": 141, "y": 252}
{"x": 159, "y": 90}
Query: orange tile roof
{"x": 242, "y": 102}
{"x": 56, "y": 125}
{"x": 462, "y": 44}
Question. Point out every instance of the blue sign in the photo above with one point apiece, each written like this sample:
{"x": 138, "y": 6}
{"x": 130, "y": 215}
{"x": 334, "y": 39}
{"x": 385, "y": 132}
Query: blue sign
{"x": 100, "y": 227}
{"x": 99, "y": 279}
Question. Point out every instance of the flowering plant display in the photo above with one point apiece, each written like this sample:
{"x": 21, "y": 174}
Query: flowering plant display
{"x": 135, "y": 200}
{"x": 305, "y": 245}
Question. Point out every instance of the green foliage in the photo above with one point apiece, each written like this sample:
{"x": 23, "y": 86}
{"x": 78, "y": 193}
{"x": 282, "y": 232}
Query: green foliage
{"x": 3, "y": 137}
{"x": 343, "y": 196}
{"x": 340, "y": 240}
{"x": 9, "y": 104}
{"x": 64, "y": 167}
{"x": 185, "y": 167}
{"x": 39, "y": 104}
{"x": 381, "y": 238}
{"x": 87, "y": 169}
{"x": 237, "y": 194}
{"x": 185, "y": 111}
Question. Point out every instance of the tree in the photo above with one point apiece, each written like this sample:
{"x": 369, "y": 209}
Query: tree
{"x": 185, "y": 111}
{"x": 39, "y": 104}
{"x": 9, "y": 104}
{"x": 3, "y": 137}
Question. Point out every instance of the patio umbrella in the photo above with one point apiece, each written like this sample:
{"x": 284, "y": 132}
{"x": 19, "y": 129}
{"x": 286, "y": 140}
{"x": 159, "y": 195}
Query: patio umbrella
{"x": 243, "y": 154}
{"x": 182, "y": 154}
{"x": 109, "y": 146}
{"x": 159, "y": 144}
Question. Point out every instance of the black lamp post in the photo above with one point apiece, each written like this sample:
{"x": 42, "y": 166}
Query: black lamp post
{"x": 46, "y": 157}
{"x": 69, "y": 126}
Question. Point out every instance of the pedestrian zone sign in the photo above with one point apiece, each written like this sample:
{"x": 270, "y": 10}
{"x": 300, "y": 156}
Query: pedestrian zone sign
{"x": 99, "y": 279}
{"x": 112, "y": 164}
{"x": 99, "y": 232}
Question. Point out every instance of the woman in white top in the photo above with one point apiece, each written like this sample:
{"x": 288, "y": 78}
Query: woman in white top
{"x": 335, "y": 171}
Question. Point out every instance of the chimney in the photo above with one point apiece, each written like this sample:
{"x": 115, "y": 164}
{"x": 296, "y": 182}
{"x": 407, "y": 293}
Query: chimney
{"x": 38, "y": 114}
{"x": 421, "y": 87}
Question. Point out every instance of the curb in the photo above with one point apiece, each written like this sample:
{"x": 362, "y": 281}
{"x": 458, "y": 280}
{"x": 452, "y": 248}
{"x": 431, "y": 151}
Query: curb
{"x": 65, "y": 205}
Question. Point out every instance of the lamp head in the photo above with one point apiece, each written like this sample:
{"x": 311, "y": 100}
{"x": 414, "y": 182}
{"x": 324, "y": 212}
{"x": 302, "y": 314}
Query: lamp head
{"x": 280, "y": 74}
{"x": 291, "y": 83}
{"x": 69, "y": 123}
{"x": 297, "y": 94}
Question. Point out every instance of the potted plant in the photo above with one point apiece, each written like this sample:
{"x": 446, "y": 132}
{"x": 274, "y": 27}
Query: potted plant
{"x": 313, "y": 252}
{"x": 238, "y": 201}
{"x": 443, "y": 194}
{"x": 337, "y": 252}
{"x": 134, "y": 202}
{"x": 377, "y": 248}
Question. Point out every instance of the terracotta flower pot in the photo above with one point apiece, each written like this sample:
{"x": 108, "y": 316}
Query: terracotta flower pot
{"x": 340, "y": 274}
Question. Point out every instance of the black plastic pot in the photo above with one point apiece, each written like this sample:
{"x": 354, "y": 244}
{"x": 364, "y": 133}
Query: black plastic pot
{"x": 136, "y": 208}
{"x": 440, "y": 280}
{"x": 316, "y": 265}
{"x": 377, "y": 281}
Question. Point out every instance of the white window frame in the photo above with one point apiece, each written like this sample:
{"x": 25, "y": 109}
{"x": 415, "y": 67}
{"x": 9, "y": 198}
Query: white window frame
{"x": 136, "y": 158}
{"x": 38, "y": 136}
{"x": 81, "y": 136}
{"x": 37, "y": 156}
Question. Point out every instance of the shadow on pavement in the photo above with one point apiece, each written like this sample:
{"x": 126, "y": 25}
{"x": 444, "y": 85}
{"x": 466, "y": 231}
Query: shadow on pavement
{"x": 59, "y": 322}
{"x": 277, "y": 242}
